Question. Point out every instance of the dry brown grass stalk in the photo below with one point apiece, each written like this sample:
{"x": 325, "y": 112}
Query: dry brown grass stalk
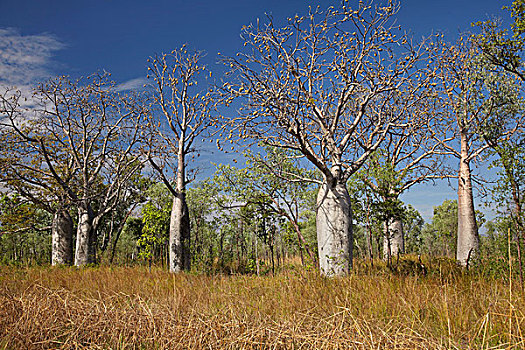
{"x": 131, "y": 308}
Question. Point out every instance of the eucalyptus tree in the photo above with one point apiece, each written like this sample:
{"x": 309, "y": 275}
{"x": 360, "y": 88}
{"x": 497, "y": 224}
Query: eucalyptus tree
{"x": 479, "y": 103}
{"x": 86, "y": 138}
{"x": 153, "y": 242}
{"x": 273, "y": 180}
{"x": 327, "y": 86}
{"x": 508, "y": 191}
{"x": 185, "y": 110}
{"x": 24, "y": 231}
{"x": 503, "y": 47}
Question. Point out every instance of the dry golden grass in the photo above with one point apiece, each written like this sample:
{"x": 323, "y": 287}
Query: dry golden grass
{"x": 132, "y": 308}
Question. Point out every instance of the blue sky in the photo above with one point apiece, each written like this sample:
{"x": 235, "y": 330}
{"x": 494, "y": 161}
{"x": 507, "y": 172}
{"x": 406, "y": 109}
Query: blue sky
{"x": 41, "y": 38}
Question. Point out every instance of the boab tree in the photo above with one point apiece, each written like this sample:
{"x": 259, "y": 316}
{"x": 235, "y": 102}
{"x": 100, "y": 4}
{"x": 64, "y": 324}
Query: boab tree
{"x": 326, "y": 85}
{"x": 23, "y": 172}
{"x": 85, "y": 138}
{"x": 185, "y": 110}
{"x": 479, "y": 104}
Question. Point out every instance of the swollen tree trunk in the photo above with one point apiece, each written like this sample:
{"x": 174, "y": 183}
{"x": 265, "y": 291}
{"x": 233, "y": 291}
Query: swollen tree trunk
{"x": 62, "y": 238}
{"x": 468, "y": 238}
{"x": 180, "y": 224}
{"x": 85, "y": 247}
{"x": 334, "y": 229}
{"x": 393, "y": 239}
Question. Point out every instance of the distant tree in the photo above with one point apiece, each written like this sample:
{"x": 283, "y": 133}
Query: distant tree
{"x": 267, "y": 181}
{"x": 508, "y": 191}
{"x": 439, "y": 237}
{"x": 504, "y": 49}
{"x": 329, "y": 85}
{"x": 113, "y": 224}
{"x": 405, "y": 160}
{"x": 185, "y": 110}
{"x": 413, "y": 225}
{"x": 202, "y": 206}
{"x": 126, "y": 251}
{"x": 24, "y": 231}
{"x": 155, "y": 223}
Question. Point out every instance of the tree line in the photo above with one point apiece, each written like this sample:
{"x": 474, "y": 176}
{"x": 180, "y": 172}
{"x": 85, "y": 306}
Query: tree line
{"x": 335, "y": 115}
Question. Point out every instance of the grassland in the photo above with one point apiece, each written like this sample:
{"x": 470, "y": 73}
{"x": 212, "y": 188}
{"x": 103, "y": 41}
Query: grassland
{"x": 134, "y": 308}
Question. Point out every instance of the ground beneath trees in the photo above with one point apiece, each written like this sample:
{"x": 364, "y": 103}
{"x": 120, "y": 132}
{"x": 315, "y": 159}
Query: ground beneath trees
{"x": 133, "y": 308}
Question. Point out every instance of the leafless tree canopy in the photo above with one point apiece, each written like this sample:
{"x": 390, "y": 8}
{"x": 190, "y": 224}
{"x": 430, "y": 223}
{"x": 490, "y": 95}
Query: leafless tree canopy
{"x": 185, "y": 104}
{"x": 331, "y": 84}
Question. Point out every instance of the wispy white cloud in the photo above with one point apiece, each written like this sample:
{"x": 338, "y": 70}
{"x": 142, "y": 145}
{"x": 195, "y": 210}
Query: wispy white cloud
{"x": 25, "y": 59}
{"x": 132, "y": 84}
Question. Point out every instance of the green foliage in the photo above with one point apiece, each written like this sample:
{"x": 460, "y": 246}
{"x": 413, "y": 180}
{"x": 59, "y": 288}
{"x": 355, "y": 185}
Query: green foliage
{"x": 507, "y": 194}
{"x": 412, "y": 226}
{"x": 271, "y": 189}
{"x": 202, "y": 206}
{"x": 24, "y": 232}
{"x": 439, "y": 236}
{"x": 501, "y": 46}
{"x": 156, "y": 219}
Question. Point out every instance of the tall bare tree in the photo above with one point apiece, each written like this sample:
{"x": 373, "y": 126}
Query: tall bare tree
{"x": 477, "y": 104}
{"x": 327, "y": 85}
{"x": 185, "y": 110}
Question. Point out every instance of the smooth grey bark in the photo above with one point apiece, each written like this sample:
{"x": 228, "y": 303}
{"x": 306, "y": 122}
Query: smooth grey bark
{"x": 393, "y": 239}
{"x": 179, "y": 253}
{"x": 84, "y": 251}
{"x": 468, "y": 237}
{"x": 334, "y": 229}
{"x": 179, "y": 242}
{"x": 62, "y": 238}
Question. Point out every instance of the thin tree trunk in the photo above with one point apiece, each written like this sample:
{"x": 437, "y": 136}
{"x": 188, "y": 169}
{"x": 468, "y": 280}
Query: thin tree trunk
{"x": 369, "y": 244}
{"x": 334, "y": 229}
{"x": 302, "y": 242}
{"x": 62, "y": 238}
{"x": 301, "y": 254}
{"x": 468, "y": 237}
{"x": 119, "y": 232}
{"x": 519, "y": 238}
{"x": 515, "y": 190}
{"x": 257, "y": 256}
{"x": 221, "y": 249}
{"x": 271, "y": 244}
